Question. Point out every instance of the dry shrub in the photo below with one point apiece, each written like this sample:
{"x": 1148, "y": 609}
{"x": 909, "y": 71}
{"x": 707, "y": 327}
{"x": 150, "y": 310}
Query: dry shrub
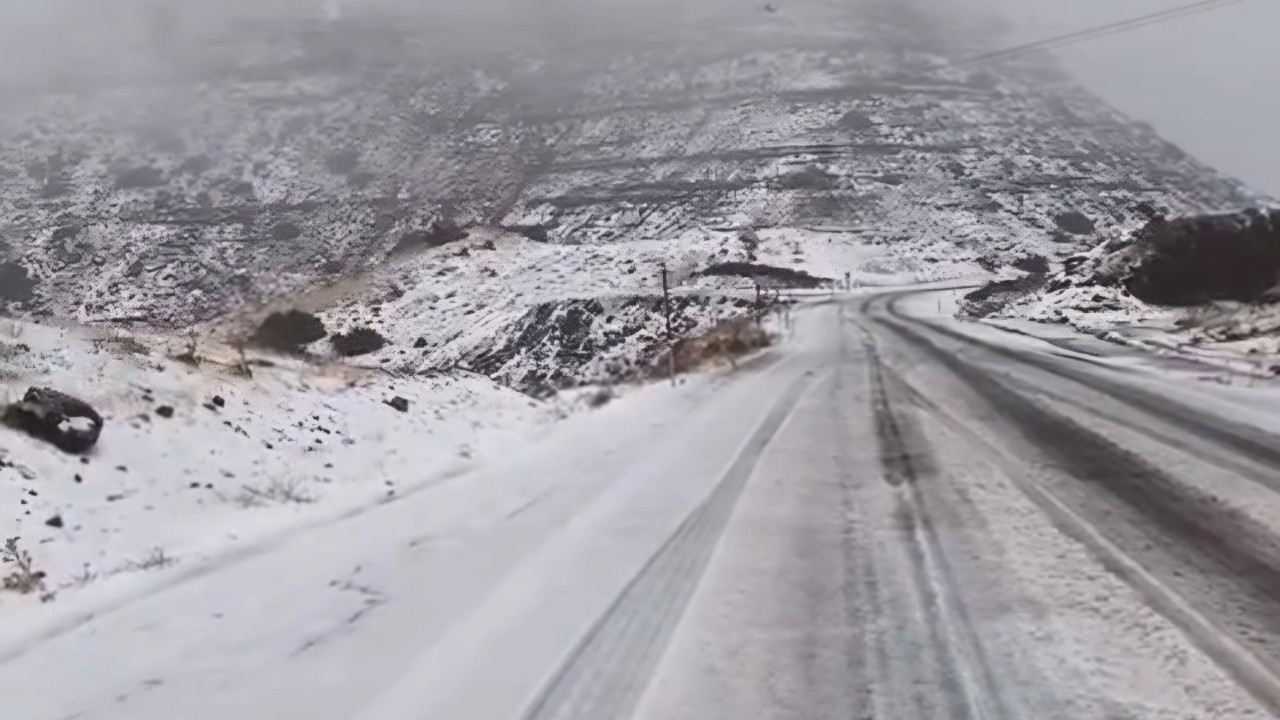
{"x": 154, "y": 560}
{"x": 288, "y": 331}
{"x": 359, "y": 341}
{"x": 724, "y": 342}
{"x": 277, "y": 491}
{"x": 22, "y": 578}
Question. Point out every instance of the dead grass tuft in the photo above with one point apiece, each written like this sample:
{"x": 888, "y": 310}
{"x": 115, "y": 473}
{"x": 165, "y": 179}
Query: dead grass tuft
{"x": 154, "y": 560}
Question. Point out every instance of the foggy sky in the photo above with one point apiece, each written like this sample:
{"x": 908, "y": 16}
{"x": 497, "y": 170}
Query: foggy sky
{"x": 1209, "y": 82}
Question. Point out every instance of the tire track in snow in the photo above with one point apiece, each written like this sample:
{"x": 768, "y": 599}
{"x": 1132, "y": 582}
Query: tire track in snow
{"x": 1199, "y": 532}
{"x": 966, "y": 675}
{"x": 606, "y": 673}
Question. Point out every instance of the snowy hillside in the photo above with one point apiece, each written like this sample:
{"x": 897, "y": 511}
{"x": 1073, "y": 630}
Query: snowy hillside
{"x": 542, "y": 316}
{"x": 276, "y": 157}
{"x": 195, "y": 459}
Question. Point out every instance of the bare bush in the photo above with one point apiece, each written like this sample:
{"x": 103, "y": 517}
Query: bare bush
{"x": 189, "y": 354}
{"x": 23, "y": 578}
{"x": 724, "y": 342}
{"x": 275, "y": 492}
{"x": 600, "y": 398}
{"x": 86, "y": 576}
{"x": 359, "y": 341}
{"x": 155, "y": 560}
{"x": 289, "y": 331}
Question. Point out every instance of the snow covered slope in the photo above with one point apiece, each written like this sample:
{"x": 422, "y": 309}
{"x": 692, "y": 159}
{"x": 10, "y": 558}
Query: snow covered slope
{"x": 540, "y": 316}
{"x": 196, "y": 460}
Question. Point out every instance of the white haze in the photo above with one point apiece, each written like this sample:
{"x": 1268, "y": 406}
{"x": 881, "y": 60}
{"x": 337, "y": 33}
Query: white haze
{"x": 1207, "y": 82}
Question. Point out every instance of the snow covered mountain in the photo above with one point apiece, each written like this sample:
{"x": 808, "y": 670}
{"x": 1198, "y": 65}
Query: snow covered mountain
{"x": 267, "y": 159}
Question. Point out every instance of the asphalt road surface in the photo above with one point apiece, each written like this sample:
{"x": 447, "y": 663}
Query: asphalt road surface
{"x": 892, "y": 514}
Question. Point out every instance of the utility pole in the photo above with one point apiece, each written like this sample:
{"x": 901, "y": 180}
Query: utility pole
{"x": 666, "y": 300}
{"x": 759, "y": 304}
{"x": 666, "y": 311}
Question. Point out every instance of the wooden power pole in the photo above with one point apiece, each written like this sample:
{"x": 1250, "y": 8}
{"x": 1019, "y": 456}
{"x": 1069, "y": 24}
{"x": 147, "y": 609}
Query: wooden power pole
{"x": 666, "y": 311}
{"x": 666, "y": 300}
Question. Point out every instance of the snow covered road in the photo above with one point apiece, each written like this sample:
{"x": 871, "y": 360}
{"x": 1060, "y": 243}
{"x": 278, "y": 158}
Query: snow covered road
{"x": 891, "y": 515}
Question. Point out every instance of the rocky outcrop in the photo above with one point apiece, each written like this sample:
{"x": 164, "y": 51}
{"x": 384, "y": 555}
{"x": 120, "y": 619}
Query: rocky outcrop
{"x": 1194, "y": 260}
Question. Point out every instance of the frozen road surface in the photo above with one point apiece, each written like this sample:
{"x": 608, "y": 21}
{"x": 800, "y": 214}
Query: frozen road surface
{"x": 891, "y": 515}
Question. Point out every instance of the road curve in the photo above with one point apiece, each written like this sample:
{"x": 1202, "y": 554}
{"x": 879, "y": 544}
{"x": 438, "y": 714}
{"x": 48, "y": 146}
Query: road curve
{"x": 957, "y": 524}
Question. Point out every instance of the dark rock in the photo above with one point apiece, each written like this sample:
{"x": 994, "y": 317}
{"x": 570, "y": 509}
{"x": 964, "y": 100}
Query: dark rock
{"x": 359, "y": 341}
{"x": 398, "y": 403}
{"x": 68, "y": 423}
{"x": 219, "y": 401}
{"x": 54, "y": 522}
{"x": 78, "y": 478}
{"x": 420, "y": 343}
{"x": 164, "y": 411}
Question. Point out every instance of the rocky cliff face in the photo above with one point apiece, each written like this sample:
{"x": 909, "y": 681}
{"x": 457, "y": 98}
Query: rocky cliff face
{"x": 267, "y": 158}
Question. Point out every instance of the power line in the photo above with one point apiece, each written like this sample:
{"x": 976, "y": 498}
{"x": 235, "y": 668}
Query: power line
{"x": 1098, "y": 31}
